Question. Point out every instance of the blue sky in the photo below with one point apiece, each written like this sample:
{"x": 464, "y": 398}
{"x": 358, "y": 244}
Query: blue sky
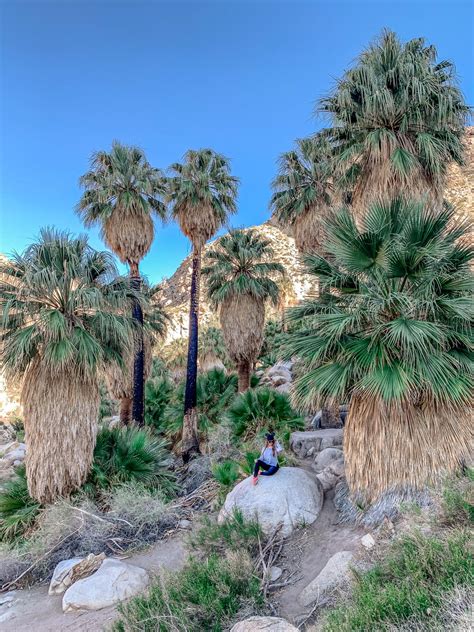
{"x": 240, "y": 77}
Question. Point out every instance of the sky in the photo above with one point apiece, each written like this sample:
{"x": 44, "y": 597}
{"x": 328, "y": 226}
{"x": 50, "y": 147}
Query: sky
{"x": 240, "y": 77}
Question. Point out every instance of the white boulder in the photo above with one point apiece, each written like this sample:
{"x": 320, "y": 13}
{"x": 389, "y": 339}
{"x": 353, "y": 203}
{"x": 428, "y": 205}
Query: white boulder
{"x": 284, "y": 388}
{"x": 113, "y": 582}
{"x": 62, "y": 576}
{"x": 14, "y": 451}
{"x": 330, "y": 457}
{"x": 335, "y": 571}
{"x": 289, "y": 498}
{"x": 264, "y": 624}
{"x": 368, "y": 541}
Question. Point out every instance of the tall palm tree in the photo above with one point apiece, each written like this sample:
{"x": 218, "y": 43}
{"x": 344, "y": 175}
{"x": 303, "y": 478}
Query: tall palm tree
{"x": 303, "y": 191}
{"x": 391, "y": 333}
{"x": 119, "y": 377}
{"x": 398, "y": 119}
{"x": 202, "y": 194}
{"x": 122, "y": 192}
{"x": 240, "y": 279}
{"x": 61, "y": 325}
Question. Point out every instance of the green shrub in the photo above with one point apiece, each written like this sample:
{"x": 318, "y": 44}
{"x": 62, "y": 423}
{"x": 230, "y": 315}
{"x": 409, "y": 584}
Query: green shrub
{"x": 256, "y": 411}
{"x": 124, "y": 455}
{"x": 458, "y": 500}
{"x": 158, "y": 393}
{"x": 411, "y": 582}
{"x": 248, "y": 461}
{"x": 18, "y": 511}
{"x": 210, "y": 589}
{"x": 215, "y": 390}
{"x": 234, "y": 534}
{"x": 226, "y": 473}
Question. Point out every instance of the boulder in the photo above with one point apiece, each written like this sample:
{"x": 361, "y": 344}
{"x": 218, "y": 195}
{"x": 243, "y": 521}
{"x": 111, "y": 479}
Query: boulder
{"x": 368, "y": 541}
{"x": 14, "y": 451}
{"x": 335, "y": 571}
{"x": 197, "y": 472}
{"x": 280, "y": 368}
{"x": 69, "y": 571}
{"x": 61, "y": 579}
{"x": 327, "y": 479}
{"x": 264, "y": 624}
{"x": 279, "y": 379}
{"x": 289, "y": 498}
{"x": 113, "y": 582}
{"x": 302, "y": 441}
{"x": 330, "y": 457}
{"x": 284, "y": 388}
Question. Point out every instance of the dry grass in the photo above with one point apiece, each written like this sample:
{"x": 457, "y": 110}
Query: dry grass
{"x": 60, "y": 425}
{"x": 242, "y": 320}
{"x": 400, "y": 445}
{"x": 198, "y": 223}
{"x": 129, "y": 235}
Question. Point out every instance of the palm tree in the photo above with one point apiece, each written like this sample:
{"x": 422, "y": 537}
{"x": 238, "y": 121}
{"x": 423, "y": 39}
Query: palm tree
{"x": 398, "y": 119}
{"x": 303, "y": 191}
{"x": 62, "y": 323}
{"x": 391, "y": 333}
{"x": 122, "y": 193}
{"x": 202, "y": 194}
{"x": 212, "y": 352}
{"x": 240, "y": 280}
{"x": 119, "y": 377}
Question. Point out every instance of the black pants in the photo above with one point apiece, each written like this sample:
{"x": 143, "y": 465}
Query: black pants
{"x": 268, "y": 470}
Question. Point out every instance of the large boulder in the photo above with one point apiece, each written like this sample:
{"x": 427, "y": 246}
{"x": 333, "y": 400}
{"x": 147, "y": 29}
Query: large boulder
{"x": 289, "y": 498}
{"x": 329, "y": 464}
{"x": 264, "y": 624}
{"x": 307, "y": 443}
{"x": 335, "y": 571}
{"x": 69, "y": 571}
{"x": 113, "y": 582}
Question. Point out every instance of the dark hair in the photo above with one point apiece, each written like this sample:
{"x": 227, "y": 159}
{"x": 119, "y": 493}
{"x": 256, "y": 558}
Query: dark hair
{"x": 270, "y": 436}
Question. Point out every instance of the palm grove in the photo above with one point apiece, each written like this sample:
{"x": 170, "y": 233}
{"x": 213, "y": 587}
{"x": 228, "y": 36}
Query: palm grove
{"x": 388, "y": 332}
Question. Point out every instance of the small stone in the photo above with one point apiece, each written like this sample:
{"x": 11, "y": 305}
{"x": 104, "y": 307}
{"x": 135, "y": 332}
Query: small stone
{"x": 368, "y": 541}
{"x": 184, "y": 524}
{"x": 274, "y": 573}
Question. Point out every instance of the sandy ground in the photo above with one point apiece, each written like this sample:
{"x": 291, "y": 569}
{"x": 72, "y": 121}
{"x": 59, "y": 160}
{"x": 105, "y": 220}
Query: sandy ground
{"x": 35, "y": 611}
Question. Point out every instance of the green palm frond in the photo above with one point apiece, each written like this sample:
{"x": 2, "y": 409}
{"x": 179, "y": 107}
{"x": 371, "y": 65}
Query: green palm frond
{"x": 403, "y": 332}
{"x": 62, "y": 306}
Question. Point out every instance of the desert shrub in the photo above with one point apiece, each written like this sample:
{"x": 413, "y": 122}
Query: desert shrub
{"x": 256, "y": 411}
{"x": 233, "y": 534}
{"x": 158, "y": 393}
{"x": 215, "y": 390}
{"x": 125, "y": 455}
{"x": 226, "y": 473}
{"x": 457, "y": 501}
{"x": 203, "y": 596}
{"x": 411, "y": 581}
{"x": 18, "y": 511}
{"x": 210, "y": 589}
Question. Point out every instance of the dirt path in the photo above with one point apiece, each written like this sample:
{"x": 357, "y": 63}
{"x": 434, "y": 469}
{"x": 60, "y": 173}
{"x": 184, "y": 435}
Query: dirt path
{"x": 35, "y": 611}
{"x": 308, "y": 551}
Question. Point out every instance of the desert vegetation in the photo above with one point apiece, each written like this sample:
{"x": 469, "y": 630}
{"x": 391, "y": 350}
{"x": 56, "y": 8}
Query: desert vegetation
{"x": 387, "y": 333}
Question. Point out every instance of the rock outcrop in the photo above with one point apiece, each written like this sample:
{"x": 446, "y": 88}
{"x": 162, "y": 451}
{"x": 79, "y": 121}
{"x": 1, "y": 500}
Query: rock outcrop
{"x": 289, "y": 498}
{"x": 335, "y": 571}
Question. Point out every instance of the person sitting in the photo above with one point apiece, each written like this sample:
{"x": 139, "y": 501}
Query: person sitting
{"x": 268, "y": 461}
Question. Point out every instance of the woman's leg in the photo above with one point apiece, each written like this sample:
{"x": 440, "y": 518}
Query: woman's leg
{"x": 273, "y": 469}
{"x": 259, "y": 465}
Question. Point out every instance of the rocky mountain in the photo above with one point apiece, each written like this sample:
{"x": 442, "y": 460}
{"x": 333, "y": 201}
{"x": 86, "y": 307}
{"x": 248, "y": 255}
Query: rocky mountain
{"x": 176, "y": 289}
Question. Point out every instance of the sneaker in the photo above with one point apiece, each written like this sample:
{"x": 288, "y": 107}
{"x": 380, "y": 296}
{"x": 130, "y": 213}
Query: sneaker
{"x": 254, "y": 480}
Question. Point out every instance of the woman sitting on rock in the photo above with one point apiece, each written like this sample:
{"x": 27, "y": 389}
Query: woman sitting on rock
{"x": 268, "y": 461}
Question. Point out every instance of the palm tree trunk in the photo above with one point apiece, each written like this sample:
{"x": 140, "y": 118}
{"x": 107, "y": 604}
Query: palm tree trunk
{"x": 138, "y": 405}
{"x": 125, "y": 411}
{"x": 244, "y": 376}
{"x": 190, "y": 440}
{"x": 60, "y": 427}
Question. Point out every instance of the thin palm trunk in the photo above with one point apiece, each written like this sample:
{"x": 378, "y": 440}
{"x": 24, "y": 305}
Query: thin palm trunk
{"x": 125, "y": 411}
{"x": 190, "y": 441}
{"x": 138, "y": 405}
{"x": 244, "y": 375}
